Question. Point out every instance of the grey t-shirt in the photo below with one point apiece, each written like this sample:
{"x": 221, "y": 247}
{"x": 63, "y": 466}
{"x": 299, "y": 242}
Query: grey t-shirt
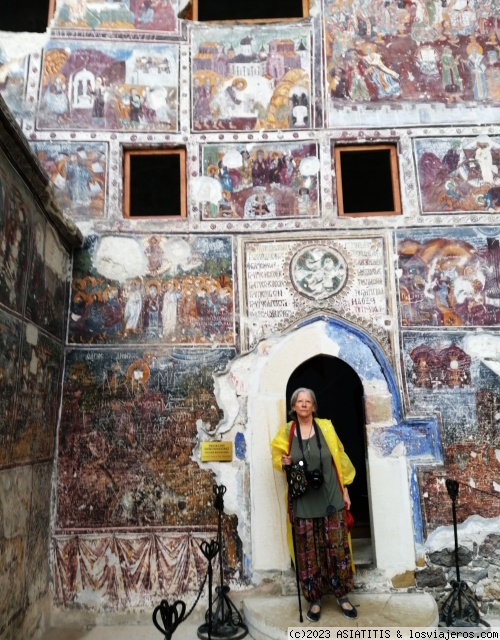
{"x": 317, "y": 503}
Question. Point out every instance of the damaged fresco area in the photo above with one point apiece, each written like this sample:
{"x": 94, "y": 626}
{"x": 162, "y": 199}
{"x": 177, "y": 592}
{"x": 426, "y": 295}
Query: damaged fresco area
{"x": 13, "y": 72}
{"x": 78, "y": 174}
{"x": 37, "y": 398}
{"x": 10, "y": 339}
{"x": 458, "y": 174}
{"x": 259, "y": 181}
{"x": 46, "y": 296}
{"x": 129, "y": 16}
{"x": 244, "y": 78}
{"x": 449, "y": 281}
{"x": 14, "y": 243}
{"x": 129, "y": 424}
{"x": 416, "y": 51}
{"x": 456, "y": 375}
{"x": 102, "y": 86}
{"x": 172, "y": 290}
{"x": 128, "y": 427}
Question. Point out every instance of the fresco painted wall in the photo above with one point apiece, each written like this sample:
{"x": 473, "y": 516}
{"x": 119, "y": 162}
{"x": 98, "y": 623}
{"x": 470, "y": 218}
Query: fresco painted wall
{"x": 173, "y": 290}
{"x": 133, "y": 17}
{"x": 383, "y": 51}
{"x": 449, "y": 281}
{"x": 130, "y": 421}
{"x": 243, "y": 78}
{"x": 261, "y": 181}
{"x": 158, "y": 306}
{"x": 33, "y": 280}
{"x": 89, "y": 86}
{"x": 78, "y": 174}
{"x": 459, "y": 174}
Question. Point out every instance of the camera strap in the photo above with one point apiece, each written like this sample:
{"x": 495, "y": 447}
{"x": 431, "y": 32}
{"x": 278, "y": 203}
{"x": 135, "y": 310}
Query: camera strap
{"x": 301, "y": 444}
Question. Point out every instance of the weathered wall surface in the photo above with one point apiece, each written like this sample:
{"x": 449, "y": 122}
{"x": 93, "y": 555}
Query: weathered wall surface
{"x": 34, "y": 273}
{"x": 160, "y": 309}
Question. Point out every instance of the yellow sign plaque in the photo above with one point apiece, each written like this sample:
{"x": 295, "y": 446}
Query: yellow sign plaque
{"x": 216, "y": 451}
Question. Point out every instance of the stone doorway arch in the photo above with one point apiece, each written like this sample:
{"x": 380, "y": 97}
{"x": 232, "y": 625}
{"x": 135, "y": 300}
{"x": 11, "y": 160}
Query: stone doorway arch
{"x": 263, "y": 378}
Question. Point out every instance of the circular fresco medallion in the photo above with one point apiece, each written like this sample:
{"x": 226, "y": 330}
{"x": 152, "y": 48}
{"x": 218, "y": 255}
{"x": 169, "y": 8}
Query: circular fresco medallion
{"x": 318, "y": 271}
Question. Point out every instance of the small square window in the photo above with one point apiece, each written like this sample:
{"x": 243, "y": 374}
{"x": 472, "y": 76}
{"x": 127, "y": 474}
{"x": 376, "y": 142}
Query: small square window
{"x": 27, "y": 15}
{"x": 154, "y": 183}
{"x": 260, "y": 10}
{"x": 367, "y": 180}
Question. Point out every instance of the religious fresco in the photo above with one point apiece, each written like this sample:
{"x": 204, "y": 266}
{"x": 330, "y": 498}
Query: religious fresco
{"x": 286, "y": 279}
{"x": 128, "y": 428}
{"x": 132, "y": 16}
{"x": 170, "y": 290}
{"x": 13, "y": 71}
{"x": 46, "y": 296}
{"x": 14, "y": 244}
{"x": 379, "y": 51}
{"x": 10, "y": 340}
{"x": 88, "y": 85}
{"x": 244, "y": 78}
{"x": 449, "y": 281}
{"x": 78, "y": 174}
{"x": 256, "y": 181}
{"x": 37, "y": 397}
{"x": 457, "y": 376}
{"x": 458, "y": 174}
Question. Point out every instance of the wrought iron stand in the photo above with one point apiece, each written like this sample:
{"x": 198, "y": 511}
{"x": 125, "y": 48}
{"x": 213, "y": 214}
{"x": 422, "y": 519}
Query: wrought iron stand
{"x": 460, "y": 609}
{"x": 226, "y": 621}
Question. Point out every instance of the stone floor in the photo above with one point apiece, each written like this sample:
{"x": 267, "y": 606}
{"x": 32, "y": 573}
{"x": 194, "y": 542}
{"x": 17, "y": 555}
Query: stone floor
{"x": 269, "y": 617}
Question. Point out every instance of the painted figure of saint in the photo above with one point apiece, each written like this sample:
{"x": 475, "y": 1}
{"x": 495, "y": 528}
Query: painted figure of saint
{"x": 449, "y": 71}
{"x": 477, "y": 66}
{"x": 133, "y": 308}
{"x": 385, "y": 79}
{"x": 56, "y": 100}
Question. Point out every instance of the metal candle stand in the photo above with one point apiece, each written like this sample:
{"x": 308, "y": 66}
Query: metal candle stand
{"x": 460, "y": 609}
{"x": 226, "y": 621}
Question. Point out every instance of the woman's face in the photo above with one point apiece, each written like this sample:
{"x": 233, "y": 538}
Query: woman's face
{"x": 304, "y": 406}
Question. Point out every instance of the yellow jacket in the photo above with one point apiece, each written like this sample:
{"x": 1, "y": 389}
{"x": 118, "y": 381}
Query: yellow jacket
{"x": 345, "y": 469}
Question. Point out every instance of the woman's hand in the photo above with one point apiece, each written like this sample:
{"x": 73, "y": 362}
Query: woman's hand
{"x": 347, "y": 499}
{"x": 286, "y": 461}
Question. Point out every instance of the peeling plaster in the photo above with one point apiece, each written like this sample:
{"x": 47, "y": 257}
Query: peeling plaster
{"x": 471, "y": 532}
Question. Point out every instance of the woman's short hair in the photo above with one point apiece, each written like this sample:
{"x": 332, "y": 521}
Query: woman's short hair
{"x": 295, "y": 395}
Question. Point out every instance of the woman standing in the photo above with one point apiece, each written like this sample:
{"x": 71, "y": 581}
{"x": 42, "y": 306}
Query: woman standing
{"x": 322, "y": 539}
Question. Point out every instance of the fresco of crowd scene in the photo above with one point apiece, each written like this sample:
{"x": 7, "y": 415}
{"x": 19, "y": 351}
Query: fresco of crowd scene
{"x": 187, "y": 309}
{"x": 386, "y": 50}
{"x": 264, "y": 182}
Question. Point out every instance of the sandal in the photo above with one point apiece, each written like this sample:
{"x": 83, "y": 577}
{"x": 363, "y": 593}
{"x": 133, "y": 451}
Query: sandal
{"x": 349, "y": 611}
{"x": 314, "y": 616}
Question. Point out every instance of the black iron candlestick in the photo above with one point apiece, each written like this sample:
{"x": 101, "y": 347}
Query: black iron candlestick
{"x": 226, "y": 621}
{"x": 460, "y": 609}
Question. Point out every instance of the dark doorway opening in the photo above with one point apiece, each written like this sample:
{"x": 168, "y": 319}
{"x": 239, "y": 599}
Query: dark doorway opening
{"x": 339, "y": 393}
{"x": 256, "y": 10}
{"x": 26, "y": 15}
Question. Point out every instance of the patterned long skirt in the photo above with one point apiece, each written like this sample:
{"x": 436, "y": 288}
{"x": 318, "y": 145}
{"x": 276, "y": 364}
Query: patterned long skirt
{"x": 324, "y": 557}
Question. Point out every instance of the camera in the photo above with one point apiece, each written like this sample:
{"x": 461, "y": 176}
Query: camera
{"x": 315, "y": 478}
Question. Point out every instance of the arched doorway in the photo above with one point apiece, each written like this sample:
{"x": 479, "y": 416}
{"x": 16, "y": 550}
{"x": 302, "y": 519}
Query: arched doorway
{"x": 262, "y": 377}
{"x": 339, "y": 392}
